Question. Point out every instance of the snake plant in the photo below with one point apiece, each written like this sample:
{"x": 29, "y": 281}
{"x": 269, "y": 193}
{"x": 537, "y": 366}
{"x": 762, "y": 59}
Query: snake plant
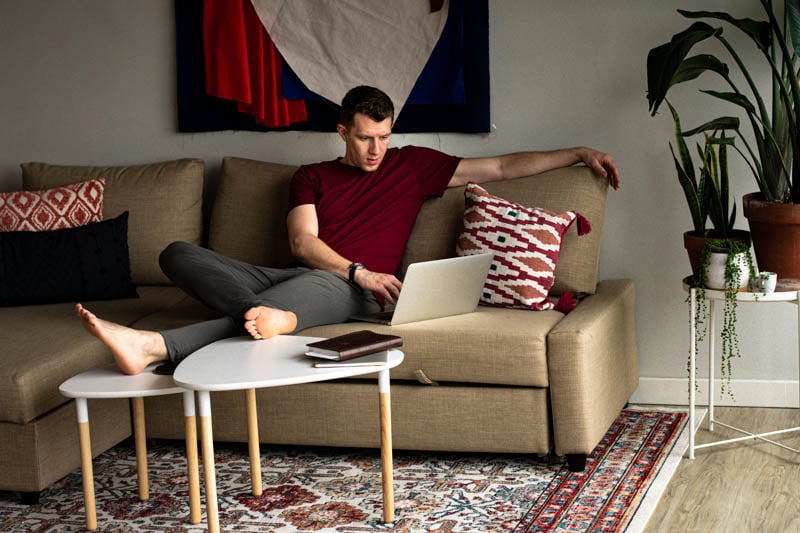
{"x": 707, "y": 195}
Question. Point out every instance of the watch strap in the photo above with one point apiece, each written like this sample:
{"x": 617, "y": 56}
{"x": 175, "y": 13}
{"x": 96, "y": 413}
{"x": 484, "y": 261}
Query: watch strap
{"x": 351, "y": 271}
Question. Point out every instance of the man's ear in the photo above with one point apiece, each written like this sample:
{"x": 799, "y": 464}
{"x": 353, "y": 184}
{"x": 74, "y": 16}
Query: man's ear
{"x": 342, "y": 130}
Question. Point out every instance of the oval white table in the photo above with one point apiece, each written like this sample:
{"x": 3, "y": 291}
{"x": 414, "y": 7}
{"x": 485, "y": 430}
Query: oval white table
{"x": 786, "y": 292}
{"x": 109, "y": 382}
{"x": 242, "y": 363}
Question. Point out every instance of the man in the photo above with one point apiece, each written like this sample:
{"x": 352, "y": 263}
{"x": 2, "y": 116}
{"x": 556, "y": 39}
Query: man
{"x": 348, "y": 224}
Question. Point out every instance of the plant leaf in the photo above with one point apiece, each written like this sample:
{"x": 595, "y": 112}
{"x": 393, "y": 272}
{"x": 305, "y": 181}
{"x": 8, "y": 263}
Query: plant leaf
{"x": 693, "y": 199}
{"x": 665, "y": 60}
{"x": 691, "y": 68}
{"x": 793, "y": 24}
{"x": 734, "y": 98}
{"x": 758, "y": 30}
{"x": 721, "y": 123}
{"x": 683, "y": 150}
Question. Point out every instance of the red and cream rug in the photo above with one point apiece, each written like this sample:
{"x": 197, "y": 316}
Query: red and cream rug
{"x": 339, "y": 490}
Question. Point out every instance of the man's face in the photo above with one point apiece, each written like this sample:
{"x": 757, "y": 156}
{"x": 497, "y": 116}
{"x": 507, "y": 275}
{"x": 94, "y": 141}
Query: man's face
{"x": 365, "y": 142}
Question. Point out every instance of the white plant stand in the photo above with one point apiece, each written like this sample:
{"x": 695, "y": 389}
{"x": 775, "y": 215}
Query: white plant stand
{"x": 783, "y": 294}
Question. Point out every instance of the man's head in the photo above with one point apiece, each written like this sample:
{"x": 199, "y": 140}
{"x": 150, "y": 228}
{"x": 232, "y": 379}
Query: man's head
{"x": 368, "y": 101}
{"x": 365, "y": 127}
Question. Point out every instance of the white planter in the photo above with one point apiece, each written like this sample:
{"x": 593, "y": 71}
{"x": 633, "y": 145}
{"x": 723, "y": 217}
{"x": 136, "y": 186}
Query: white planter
{"x": 715, "y": 273}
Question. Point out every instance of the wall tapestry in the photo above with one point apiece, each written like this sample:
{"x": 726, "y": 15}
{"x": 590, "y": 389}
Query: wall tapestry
{"x": 280, "y": 65}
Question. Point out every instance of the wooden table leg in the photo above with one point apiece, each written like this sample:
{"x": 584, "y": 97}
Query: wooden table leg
{"x": 141, "y": 448}
{"x": 204, "y": 399}
{"x": 87, "y": 471}
{"x": 192, "y": 469}
{"x": 252, "y": 441}
{"x": 387, "y": 468}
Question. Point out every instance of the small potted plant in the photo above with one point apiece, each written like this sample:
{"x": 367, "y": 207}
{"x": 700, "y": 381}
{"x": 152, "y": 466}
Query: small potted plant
{"x": 726, "y": 265}
{"x": 707, "y": 194}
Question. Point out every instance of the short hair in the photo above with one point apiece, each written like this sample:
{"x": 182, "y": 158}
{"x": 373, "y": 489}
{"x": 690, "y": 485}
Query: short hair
{"x": 368, "y": 101}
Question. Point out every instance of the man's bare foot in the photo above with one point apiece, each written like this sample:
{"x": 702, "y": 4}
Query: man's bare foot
{"x": 133, "y": 349}
{"x": 264, "y": 322}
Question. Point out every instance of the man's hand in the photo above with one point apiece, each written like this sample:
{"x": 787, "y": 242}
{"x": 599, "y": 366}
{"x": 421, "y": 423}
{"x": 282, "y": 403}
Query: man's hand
{"x": 602, "y": 164}
{"x": 385, "y": 285}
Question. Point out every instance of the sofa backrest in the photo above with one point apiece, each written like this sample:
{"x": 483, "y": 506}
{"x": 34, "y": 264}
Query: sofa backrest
{"x": 574, "y": 188}
{"x": 164, "y": 201}
{"x": 248, "y": 218}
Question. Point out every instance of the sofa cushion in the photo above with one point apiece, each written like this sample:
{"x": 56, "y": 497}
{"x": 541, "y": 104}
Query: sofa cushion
{"x": 248, "y": 220}
{"x": 493, "y": 345}
{"x": 439, "y": 223}
{"x": 57, "y": 208}
{"x": 37, "y": 359}
{"x": 525, "y": 241}
{"x": 164, "y": 201}
{"x": 89, "y": 262}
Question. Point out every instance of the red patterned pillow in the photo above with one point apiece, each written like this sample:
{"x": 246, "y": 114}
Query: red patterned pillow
{"x": 526, "y": 243}
{"x": 59, "y": 208}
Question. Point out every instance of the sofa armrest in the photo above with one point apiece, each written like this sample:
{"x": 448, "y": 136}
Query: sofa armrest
{"x": 592, "y": 366}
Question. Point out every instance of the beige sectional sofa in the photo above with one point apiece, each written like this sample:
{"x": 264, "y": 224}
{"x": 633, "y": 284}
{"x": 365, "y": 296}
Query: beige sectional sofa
{"x": 497, "y": 380}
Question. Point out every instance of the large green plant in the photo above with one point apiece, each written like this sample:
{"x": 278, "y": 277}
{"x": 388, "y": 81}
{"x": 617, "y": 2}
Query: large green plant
{"x": 707, "y": 195}
{"x": 774, "y": 154}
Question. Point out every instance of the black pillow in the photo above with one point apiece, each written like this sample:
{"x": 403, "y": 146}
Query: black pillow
{"x": 68, "y": 265}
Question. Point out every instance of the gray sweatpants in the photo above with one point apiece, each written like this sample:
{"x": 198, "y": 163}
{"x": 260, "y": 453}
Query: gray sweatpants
{"x": 232, "y": 287}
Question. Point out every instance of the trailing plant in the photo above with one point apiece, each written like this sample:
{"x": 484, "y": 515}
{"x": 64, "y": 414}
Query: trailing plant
{"x": 775, "y": 158}
{"x": 733, "y": 281}
{"x": 707, "y": 195}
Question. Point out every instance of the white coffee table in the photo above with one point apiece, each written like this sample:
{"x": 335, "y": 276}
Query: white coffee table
{"x": 108, "y": 382}
{"x": 242, "y": 363}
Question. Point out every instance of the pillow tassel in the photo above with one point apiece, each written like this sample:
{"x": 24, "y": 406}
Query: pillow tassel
{"x": 583, "y": 225}
{"x": 566, "y": 302}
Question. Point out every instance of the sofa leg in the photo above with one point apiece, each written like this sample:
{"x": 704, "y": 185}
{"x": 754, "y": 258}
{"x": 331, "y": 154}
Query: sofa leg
{"x": 30, "y": 498}
{"x": 576, "y": 462}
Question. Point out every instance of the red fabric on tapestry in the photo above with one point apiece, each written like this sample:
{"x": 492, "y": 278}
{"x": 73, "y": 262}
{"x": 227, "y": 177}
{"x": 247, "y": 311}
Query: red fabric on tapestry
{"x": 242, "y": 64}
{"x": 225, "y": 50}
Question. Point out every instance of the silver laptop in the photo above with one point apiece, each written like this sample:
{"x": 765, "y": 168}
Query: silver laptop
{"x": 435, "y": 289}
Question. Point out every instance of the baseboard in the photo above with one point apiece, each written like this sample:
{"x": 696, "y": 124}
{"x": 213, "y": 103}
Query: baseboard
{"x": 746, "y": 392}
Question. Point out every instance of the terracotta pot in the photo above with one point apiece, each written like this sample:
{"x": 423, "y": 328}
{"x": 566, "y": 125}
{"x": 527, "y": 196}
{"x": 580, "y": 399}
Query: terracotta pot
{"x": 694, "y": 244}
{"x": 775, "y": 230}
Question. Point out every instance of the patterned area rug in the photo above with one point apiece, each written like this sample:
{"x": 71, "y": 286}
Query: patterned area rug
{"x": 339, "y": 490}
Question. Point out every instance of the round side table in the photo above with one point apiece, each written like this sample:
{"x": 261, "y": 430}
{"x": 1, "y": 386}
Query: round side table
{"x": 787, "y": 292}
{"x": 108, "y": 382}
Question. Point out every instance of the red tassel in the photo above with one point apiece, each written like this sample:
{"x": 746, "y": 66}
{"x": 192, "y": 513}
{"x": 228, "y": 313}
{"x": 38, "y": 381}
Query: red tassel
{"x": 583, "y": 225}
{"x": 566, "y": 302}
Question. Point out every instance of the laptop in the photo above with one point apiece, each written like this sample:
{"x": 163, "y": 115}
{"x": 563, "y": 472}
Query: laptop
{"x": 435, "y": 289}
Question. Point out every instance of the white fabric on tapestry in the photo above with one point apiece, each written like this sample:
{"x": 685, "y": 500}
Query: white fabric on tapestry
{"x": 335, "y": 45}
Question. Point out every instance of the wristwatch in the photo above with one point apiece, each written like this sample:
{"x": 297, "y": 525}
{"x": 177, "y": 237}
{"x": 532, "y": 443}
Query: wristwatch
{"x": 352, "y": 271}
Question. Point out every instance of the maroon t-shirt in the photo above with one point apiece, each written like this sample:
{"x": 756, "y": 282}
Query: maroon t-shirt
{"x": 367, "y": 217}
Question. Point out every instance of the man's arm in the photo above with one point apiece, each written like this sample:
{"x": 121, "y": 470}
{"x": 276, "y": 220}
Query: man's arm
{"x": 518, "y": 165}
{"x": 306, "y": 246}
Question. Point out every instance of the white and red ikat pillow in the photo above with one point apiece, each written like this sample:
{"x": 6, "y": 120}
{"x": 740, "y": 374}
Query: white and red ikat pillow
{"x": 58, "y": 208}
{"x": 526, "y": 242}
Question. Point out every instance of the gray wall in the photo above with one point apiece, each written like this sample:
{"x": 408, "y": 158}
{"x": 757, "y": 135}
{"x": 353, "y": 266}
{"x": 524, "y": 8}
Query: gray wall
{"x": 93, "y": 82}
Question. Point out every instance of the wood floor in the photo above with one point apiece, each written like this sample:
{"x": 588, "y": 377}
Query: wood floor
{"x": 740, "y": 487}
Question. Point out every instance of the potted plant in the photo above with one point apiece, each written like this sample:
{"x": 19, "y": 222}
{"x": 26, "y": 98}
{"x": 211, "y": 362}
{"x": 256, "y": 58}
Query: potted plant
{"x": 774, "y": 154}
{"x": 726, "y": 265}
{"x": 707, "y": 195}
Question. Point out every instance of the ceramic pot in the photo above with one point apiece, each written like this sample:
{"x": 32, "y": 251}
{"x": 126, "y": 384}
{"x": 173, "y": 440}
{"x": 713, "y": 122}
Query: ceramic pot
{"x": 775, "y": 230}
{"x": 694, "y": 244}
{"x": 715, "y": 273}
